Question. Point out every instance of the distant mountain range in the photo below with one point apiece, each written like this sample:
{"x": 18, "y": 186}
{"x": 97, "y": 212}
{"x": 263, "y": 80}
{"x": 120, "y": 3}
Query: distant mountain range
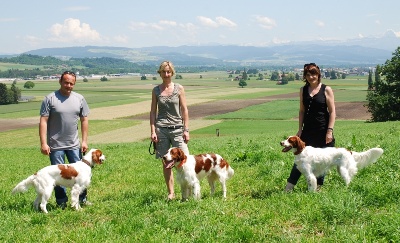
{"x": 364, "y": 51}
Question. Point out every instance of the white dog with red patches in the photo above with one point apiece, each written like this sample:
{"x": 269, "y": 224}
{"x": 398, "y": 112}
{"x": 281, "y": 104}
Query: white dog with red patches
{"x": 76, "y": 176}
{"x": 315, "y": 162}
{"x": 193, "y": 168}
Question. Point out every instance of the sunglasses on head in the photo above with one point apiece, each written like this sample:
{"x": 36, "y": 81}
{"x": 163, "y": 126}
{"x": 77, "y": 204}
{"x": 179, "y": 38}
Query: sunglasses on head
{"x": 69, "y": 72}
{"x": 310, "y": 64}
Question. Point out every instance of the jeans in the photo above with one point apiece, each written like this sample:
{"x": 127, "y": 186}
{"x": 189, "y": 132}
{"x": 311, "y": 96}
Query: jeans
{"x": 58, "y": 157}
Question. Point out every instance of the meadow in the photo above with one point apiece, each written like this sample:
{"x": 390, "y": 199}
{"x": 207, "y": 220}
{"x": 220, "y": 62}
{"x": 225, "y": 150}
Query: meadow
{"x": 129, "y": 193}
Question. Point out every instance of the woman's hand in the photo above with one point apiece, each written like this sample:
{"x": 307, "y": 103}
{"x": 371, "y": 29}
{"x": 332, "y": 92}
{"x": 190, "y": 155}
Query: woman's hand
{"x": 186, "y": 136}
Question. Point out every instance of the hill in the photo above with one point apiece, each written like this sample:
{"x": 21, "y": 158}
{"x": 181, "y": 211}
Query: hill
{"x": 230, "y": 55}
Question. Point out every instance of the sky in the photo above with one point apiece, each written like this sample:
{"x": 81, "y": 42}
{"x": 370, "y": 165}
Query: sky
{"x": 30, "y": 25}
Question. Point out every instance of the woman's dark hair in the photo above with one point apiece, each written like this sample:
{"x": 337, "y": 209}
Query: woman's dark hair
{"x": 311, "y": 68}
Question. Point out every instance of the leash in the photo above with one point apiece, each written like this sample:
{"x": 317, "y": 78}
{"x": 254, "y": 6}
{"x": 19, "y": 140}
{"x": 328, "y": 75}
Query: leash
{"x": 154, "y": 148}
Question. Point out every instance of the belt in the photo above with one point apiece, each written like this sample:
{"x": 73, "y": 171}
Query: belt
{"x": 173, "y": 127}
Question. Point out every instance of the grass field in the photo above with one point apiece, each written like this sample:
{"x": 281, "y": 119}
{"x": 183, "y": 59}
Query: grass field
{"x": 129, "y": 194}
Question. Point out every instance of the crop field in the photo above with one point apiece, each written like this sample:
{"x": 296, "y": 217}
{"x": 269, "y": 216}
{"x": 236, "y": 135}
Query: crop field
{"x": 128, "y": 190}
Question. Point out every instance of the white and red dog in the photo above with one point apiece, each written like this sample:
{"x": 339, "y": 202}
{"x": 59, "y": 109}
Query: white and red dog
{"x": 76, "y": 176}
{"x": 193, "y": 168}
{"x": 315, "y": 162}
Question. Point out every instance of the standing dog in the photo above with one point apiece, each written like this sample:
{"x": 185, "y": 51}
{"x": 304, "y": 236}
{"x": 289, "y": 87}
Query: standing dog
{"x": 315, "y": 162}
{"x": 76, "y": 176}
{"x": 193, "y": 168}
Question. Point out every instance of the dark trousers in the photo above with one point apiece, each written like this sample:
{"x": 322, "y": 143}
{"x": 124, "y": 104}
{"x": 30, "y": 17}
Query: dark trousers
{"x": 295, "y": 176}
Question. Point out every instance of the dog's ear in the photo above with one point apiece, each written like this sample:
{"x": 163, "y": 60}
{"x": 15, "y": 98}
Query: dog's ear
{"x": 96, "y": 156}
{"x": 182, "y": 158}
{"x": 299, "y": 144}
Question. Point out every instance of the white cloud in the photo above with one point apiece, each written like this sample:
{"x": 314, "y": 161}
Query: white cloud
{"x": 168, "y": 23}
{"x": 137, "y": 25}
{"x": 161, "y": 25}
{"x": 225, "y": 22}
{"x": 276, "y": 40}
{"x": 218, "y": 22}
{"x": 265, "y": 22}
{"x": 73, "y": 30}
{"x": 207, "y": 22}
{"x": 319, "y": 23}
{"x": 188, "y": 26}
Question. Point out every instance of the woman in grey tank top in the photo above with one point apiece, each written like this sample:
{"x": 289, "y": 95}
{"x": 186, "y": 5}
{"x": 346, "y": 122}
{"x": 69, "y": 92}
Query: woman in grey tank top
{"x": 169, "y": 119}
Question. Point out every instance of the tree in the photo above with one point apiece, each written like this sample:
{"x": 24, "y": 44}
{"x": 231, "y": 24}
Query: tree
{"x": 384, "y": 99}
{"x": 178, "y": 76}
{"x": 378, "y": 71}
{"x": 275, "y": 76}
{"x": 143, "y": 77}
{"x": 104, "y": 78}
{"x": 16, "y": 94}
{"x": 244, "y": 75}
{"x": 3, "y": 94}
{"x": 242, "y": 83}
{"x": 29, "y": 85}
{"x": 85, "y": 80}
{"x": 370, "y": 82}
{"x": 333, "y": 74}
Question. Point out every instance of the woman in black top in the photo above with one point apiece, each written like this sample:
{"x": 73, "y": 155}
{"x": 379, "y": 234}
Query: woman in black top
{"x": 316, "y": 117}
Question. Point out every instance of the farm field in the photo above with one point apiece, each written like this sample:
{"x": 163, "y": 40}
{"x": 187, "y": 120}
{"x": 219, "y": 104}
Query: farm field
{"x": 128, "y": 190}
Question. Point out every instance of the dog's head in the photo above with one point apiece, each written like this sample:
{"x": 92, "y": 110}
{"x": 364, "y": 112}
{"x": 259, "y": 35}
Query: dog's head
{"x": 293, "y": 143}
{"x": 94, "y": 156}
{"x": 174, "y": 157}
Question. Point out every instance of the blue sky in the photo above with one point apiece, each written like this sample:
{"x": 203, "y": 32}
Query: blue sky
{"x": 30, "y": 25}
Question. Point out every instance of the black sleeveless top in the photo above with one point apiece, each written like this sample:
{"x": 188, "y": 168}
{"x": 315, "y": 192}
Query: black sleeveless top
{"x": 316, "y": 118}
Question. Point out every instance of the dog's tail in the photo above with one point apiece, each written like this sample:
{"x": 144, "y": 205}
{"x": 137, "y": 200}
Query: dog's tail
{"x": 24, "y": 185}
{"x": 230, "y": 171}
{"x": 363, "y": 159}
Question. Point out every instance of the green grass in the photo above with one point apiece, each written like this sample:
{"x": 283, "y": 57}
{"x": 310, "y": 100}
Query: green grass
{"x": 129, "y": 194}
{"x": 273, "y": 110}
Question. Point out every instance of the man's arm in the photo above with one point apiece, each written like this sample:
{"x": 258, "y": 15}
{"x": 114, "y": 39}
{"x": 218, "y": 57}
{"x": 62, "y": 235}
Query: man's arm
{"x": 84, "y": 131}
{"x": 44, "y": 147}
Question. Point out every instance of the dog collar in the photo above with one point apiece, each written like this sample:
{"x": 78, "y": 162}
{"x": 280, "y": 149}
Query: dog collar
{"x": 87, "y": 162}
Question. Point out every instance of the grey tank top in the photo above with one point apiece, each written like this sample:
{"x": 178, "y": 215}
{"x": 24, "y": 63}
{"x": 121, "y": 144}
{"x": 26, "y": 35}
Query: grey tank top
{"x": 169, "y": 112}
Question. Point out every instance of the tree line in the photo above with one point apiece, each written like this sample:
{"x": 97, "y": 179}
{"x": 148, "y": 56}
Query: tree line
{"x": 9, "y": 96}
{"x": 85, "y": 66}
